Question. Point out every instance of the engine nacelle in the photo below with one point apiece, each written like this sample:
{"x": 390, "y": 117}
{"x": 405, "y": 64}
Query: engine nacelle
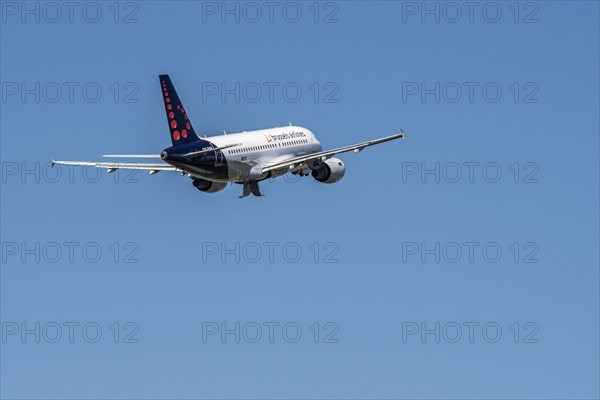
{"x": 208, "y": 186}
{"x": 330, "y": 171}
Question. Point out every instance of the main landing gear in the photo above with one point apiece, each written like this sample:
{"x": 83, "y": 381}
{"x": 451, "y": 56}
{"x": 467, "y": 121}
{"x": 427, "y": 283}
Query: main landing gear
{"x": 251, "y": 187}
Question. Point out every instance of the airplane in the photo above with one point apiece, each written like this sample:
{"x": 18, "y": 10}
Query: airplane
{"x": 246, "y": 158}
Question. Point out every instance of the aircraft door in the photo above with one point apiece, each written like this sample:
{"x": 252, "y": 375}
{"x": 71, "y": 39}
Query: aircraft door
{"x": 218, "y": 158}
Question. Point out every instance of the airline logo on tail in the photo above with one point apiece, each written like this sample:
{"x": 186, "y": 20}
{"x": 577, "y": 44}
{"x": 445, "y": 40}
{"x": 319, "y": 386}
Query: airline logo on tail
{"x": 179, "y": 124}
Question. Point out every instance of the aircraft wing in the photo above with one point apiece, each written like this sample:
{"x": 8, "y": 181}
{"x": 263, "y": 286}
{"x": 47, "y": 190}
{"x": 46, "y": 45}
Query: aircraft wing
{"x": 113, "y": 166}
{"x": 323, "y": 155}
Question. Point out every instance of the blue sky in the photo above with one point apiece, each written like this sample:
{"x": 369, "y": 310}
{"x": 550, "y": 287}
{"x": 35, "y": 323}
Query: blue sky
{"x": 483, "y": 221}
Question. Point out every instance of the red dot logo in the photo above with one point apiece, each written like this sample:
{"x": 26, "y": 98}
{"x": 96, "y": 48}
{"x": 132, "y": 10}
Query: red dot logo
{"x": 183, "y": 133}
{"x": 168, "y": 100}
{"x": 185, "y": 116}
{"x": 176, "y": 135}
{"x": 182, "y": 110}
{"x": 169, "y": 106}
{"x": 187, "y": 125}
{"x": 178, "y": 107}
{"x": 174, "y": 125}
{"x": 171, "y": 115}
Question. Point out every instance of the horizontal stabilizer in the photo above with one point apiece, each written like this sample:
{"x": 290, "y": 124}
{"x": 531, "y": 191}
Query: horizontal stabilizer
{"x": 113, "y": 166}
{"x": 131, "y": 155}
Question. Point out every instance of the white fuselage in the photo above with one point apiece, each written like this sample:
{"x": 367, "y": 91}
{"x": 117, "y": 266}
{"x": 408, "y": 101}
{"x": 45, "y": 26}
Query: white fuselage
{"x": 261, "y": 147}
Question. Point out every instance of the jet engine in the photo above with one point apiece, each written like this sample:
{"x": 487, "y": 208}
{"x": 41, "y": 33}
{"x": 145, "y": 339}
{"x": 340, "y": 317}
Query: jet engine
{"x": 330, "y": 171}
{"x": 208, "y": 186}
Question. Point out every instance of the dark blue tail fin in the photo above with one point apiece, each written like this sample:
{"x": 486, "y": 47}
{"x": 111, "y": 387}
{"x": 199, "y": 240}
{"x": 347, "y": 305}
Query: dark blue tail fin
{"x": 180, "y": 126}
